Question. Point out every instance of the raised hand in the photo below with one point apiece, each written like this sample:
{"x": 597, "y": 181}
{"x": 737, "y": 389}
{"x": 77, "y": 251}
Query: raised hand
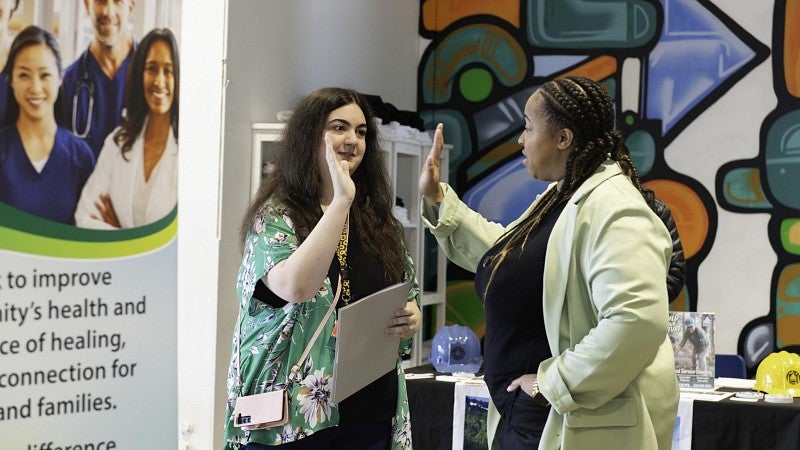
{"x": 429, "y": 178}
{"x": 343, "y": 186}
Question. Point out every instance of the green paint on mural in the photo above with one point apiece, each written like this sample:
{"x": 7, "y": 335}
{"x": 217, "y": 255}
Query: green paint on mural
{"x": 475, "y": 84}
{"x": 790, "y": 235}
{"x": 642, "y": 147}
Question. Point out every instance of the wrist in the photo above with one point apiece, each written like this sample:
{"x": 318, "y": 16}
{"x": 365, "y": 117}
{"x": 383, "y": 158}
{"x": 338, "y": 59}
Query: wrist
{"x": 433, "y": 203}
{"x": 537, "y": 395}
{"x": 341, "y": 203}
{"x": 436, "y": 199}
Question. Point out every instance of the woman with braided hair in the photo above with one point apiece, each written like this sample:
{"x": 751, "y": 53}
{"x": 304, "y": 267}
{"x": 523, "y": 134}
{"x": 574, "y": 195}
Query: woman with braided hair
{"x": 576, "y": 349}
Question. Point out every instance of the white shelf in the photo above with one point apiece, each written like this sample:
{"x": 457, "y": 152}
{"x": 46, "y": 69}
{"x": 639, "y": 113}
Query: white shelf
{"x": 404, "y": 158}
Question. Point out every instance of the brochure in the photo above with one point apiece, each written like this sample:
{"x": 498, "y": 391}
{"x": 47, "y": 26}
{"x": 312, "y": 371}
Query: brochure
{"x": 692, "y": 337}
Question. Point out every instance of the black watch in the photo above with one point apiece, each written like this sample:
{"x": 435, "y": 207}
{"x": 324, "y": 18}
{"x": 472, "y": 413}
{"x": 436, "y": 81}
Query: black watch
{"x": 537, "y": 395}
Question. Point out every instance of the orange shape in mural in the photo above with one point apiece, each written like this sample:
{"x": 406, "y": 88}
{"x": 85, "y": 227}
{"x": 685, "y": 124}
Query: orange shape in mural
{"x": 688, "y": 211}
{"x": 788, "y": 330}
{"x": 787, "y": 323}
{"x": 793, "y": 235}
{"x": 438, "y": 14}
{"x": 791, "y": 48}
{"x": 680, "y": 302}
{"x": 598, "y": 68}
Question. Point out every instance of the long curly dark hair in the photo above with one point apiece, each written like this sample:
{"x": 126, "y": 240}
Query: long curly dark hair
{"x": 296, "y": 181}
{"x": 583, "y": 106}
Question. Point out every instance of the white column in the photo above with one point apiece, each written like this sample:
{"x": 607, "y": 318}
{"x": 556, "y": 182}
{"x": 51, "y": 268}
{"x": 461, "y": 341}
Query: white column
{"x": 200, "y": 385}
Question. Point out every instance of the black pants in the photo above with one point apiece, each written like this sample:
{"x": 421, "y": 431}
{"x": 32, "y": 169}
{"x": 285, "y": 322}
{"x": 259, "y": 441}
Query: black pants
{"x": 522, "y": 422}
{"x": 367, "y": 436}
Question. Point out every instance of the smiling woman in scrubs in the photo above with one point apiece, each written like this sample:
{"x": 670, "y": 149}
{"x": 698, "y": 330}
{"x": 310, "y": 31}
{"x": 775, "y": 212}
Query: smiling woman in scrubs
{"x": 136, "y": 179}
{"x": 43, "y": 167}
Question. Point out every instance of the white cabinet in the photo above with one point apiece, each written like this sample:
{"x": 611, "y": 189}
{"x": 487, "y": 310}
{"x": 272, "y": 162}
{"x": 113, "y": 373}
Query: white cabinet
{"x": 404, "y": 157}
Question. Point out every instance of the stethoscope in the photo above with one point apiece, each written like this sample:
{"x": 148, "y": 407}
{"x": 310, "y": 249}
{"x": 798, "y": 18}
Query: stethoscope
{"x": 83, "y": 82}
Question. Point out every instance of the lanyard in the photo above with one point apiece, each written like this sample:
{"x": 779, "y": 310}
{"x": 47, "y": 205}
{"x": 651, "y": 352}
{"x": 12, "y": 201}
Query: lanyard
{"x": 344, "y": 269}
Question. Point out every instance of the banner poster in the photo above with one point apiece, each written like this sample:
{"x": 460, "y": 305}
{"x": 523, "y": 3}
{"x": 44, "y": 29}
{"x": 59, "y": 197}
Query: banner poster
{"x": 692, "y": 337}
{"x": 88, "y": 228}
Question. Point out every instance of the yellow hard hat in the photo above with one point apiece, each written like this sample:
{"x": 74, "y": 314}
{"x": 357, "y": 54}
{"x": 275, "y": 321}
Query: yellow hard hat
{"x": 779, "y": 373}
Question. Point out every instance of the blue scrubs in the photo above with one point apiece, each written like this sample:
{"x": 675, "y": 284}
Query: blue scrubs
{"x": 108, "y": 97}
{"x": 54, "y": 193}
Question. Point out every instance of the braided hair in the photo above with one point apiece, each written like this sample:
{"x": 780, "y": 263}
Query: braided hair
{"x": 583, "y": 106}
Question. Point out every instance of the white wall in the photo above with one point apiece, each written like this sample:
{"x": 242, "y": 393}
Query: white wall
{"x": 201, "y": 381}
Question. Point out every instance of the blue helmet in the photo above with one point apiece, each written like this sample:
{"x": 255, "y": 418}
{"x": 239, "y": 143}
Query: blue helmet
{"x": 456, "y": 348}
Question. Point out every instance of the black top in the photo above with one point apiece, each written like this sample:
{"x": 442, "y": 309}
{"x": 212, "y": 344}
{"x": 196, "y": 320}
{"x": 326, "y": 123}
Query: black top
{"x": 515, "y": 341}
{"x": 378, "y": 400}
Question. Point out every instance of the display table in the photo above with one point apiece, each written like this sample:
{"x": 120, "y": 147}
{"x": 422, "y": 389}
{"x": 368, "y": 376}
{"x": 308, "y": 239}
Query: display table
{"x": 430, "y": 404}
{"x": 725, "y": 424}
{"x": 736, "y": 424}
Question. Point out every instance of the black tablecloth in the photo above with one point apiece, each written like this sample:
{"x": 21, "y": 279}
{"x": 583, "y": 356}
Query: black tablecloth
{"x": 732, "y": 424}
{"x": 727, "y": 424}
{"x": 431, "y": 407}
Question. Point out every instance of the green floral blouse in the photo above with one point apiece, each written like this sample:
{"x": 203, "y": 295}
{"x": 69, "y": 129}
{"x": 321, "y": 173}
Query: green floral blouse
{"x": 273, "y": 339}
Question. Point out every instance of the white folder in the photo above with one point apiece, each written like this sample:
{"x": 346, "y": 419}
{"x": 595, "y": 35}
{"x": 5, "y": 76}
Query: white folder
{"x": 363, "y": 352}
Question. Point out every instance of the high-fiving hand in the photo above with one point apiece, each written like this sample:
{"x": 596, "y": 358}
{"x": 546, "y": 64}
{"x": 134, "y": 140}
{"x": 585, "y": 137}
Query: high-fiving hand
{"x": 429, "y": 178}
{"x": 343, "y": 186}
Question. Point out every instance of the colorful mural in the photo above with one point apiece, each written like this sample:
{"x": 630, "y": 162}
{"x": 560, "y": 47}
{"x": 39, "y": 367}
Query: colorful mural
{"x": 665, "y": 63}
{"x": 768, "y": 184}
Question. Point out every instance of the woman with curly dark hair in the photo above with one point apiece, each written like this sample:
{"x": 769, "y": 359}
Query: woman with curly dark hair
{"x": 576, "y": 349}
{"x": 321, "y": 222}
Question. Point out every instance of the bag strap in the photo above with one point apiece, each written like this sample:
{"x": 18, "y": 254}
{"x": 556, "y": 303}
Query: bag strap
{"x": 344, "y": 282}
{"x": 296, "y": 366}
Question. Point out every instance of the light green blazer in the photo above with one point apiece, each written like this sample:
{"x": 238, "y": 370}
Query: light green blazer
{"x": 611, "y": 381}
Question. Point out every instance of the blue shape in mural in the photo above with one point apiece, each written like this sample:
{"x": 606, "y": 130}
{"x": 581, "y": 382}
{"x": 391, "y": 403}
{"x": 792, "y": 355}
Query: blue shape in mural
{"x": 782, "y": 156}
{"x": 456, "y": 133}
{"x": 696, "y": 55}
{"x": 505, "y": 193}
{"x": 642, "y": 148}
{"x": 740, "y": 188}
{"x": 591, "y": 24}
{"x": 501, "y": 118}
{"x": 547, "y": 65}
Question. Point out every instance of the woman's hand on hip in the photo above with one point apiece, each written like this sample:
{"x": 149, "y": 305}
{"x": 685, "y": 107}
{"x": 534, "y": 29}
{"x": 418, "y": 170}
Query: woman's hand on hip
{"x": 525, "y": 382}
